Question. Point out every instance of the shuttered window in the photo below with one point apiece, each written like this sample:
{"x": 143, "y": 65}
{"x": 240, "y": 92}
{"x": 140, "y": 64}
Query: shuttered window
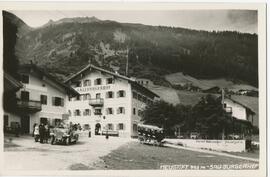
{"x": 86, "y": 112}
{"x": 121, "y": 110}
{"x": 110, "y": 81}
{"x": 57, "y": 101}
{"x": 109, "y": 111}
{"x": 98, "y": 81}
{"x": 110, "y": 94}
{"x": 86, "y": 83}
{"x": 43, "y": 99}
{"x": 121, "y": 93}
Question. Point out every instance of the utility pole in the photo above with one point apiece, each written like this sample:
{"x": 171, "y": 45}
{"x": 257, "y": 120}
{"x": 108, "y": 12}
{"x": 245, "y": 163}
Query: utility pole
{"x": 127, "y": 62}
{"x": 223, "y": 106}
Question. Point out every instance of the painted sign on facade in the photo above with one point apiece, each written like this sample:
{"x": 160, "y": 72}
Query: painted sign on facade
{"x": 88, "y": 89}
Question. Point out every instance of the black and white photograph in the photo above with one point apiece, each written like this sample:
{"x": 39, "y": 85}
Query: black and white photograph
{"x": 175, "y": 90}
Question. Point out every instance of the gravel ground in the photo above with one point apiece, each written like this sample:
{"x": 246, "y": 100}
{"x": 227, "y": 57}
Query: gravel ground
{"x": 97, "y": 153}
{"x": 24, "y": 154}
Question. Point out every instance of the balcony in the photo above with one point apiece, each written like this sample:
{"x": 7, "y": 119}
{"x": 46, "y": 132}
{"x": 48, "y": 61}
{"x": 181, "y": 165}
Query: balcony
{"x": 228, "y": 110}
{"x": 29, "y": 105}
{"x": 96, "y": 102}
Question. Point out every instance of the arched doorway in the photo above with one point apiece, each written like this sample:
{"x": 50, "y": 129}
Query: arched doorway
{"x": 97, "y": 129}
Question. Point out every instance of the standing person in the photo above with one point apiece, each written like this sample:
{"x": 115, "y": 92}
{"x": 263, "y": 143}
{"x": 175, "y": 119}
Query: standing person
{"x": 33, "y": 133}
{"x": 41, "y": 132}
{"x": 46, "y": 133}
{"x": 17, "y": 129}
{"x": 36, "y": 132}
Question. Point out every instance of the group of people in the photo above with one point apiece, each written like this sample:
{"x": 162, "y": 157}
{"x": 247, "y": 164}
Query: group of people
{"x": 41, "y": 132}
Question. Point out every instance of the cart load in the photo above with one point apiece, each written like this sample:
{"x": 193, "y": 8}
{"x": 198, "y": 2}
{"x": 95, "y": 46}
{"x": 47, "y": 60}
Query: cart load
{"x": 150, "y": 134}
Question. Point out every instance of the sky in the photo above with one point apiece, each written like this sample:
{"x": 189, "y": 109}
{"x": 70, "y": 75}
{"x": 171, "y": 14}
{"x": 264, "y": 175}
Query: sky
{"x": 219, "y": 20}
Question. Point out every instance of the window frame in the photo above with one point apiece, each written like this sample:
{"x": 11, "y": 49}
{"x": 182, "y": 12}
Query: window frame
{"x": 123, "y": 93}
{"x": 109, "y": 111}
{"x": 98, "y": 83}
{"x": 42, "y": 99}
{"x": 108, "y": 94}
{"x": 110, "y": 79}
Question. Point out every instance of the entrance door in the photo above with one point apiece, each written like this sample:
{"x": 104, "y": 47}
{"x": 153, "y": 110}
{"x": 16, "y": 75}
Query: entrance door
{"x": 25, "y": 124}
{"x": 97, "y": 129}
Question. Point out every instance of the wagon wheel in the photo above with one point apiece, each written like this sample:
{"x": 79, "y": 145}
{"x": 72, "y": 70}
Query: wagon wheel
{"x": 52, "y": 140}
{"x": 67, "y": 141}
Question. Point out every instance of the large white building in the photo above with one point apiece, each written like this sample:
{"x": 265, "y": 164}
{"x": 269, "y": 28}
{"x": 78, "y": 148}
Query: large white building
{"x": 40, "y": 99}
{"x": 108, "y": 102}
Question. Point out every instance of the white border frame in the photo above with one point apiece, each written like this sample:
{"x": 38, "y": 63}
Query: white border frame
{"x": 125, "y": 5}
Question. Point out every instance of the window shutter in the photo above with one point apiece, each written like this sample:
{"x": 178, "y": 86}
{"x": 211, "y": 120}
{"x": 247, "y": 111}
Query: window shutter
{"x": 74, "y": 112}
{"x": 118, "y": 110}
{"x": 124, "y": 93}
{"x": 62, "y": 102}
{"x": 117, "y": 94}
{"x": 112, "y": 110}
{"x": 53, "y": 101}
{"x": 123, "y": 110}
{"x": 107, "y": 94}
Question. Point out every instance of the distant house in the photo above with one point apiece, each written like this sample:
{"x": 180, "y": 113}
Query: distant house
{"x": 215, "y": 89}
{"x": 144, "y": 82}
{"x": 253, "y": 93}
{"x": 240, "y": 110}
{"x": 38, "y": 98}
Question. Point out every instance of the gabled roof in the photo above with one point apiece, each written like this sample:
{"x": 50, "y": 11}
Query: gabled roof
{"x": 243, "y": 102}
{"x": 11, "y": 82}
{"x": 132, "y": 81}
{"x": 67, "y": 88}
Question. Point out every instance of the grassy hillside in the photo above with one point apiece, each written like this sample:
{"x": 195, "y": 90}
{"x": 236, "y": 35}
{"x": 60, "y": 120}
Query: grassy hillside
{"x": 180, "y": 78}
{"x": 167, "y": 94}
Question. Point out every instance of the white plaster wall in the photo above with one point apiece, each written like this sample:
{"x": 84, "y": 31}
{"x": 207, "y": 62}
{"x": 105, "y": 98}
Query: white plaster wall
{"x": 35, "y": 89}
{"x": 12, "y": 118}
{"x": 114, "y": 103}
{"x": 217, "y": 145}
{"x": 238, "y": 111}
